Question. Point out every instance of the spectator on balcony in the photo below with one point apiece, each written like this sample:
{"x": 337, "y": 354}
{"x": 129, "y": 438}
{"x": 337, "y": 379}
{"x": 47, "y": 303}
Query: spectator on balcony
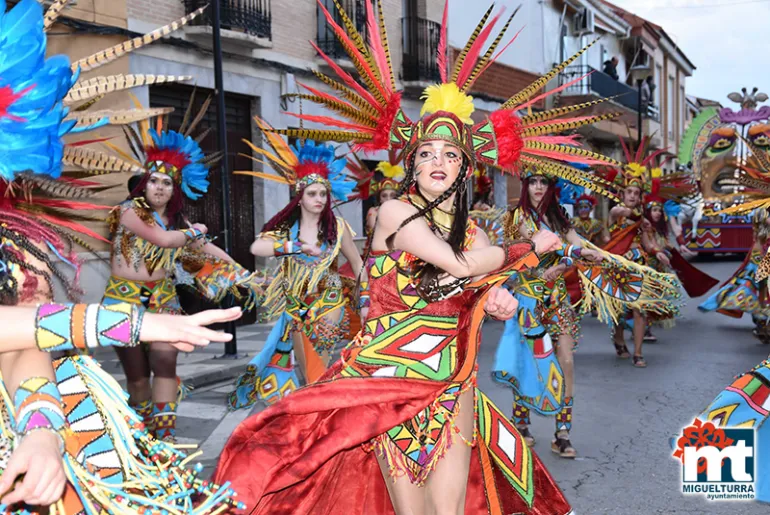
{"x": 648, "y": 87}
{"x": 611, "y": 67}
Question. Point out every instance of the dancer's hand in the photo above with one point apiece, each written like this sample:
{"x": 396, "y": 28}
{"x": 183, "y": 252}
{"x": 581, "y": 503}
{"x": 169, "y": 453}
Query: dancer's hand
{"x": 202, "y": 228}
{"x": 186, "y": 332}
{"x": 592, "y": 255}
{"x": 685, "y": 251}
{"x": 554, "y": 272}
{"x": 646, "y": 225}
{"x": 663, "y": 258}
{"x": 39, "y": 459}
{"x": 311, "y": 250}
{"x": 545, "y": 241}
{"x": 501, "y": 304}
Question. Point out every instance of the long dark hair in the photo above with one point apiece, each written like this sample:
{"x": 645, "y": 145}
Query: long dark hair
{"x": 175, "y": 205}
{"x": 428, "y": 272}
{"x": 289, "y": 215}
{"x": 549, "y": 209}
{"x": 660, "y": 225}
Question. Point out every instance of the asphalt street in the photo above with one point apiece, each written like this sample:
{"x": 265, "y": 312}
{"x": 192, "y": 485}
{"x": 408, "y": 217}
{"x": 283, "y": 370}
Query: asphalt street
{"x": 623, "y": 418}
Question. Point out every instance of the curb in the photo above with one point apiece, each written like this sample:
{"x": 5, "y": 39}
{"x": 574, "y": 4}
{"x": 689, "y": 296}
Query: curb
{"x": 215, "y": 376}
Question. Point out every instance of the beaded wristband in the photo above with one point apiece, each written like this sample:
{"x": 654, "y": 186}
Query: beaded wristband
{"x": 566, "y": 261}
{"x": 364, "y": 299}
{"x": 192, "y": 234}
{"x": 86, "y": 326}
{"x": 286, "y": 247}
{"x": 570, "y": 251}
{"x": 38, "y": 406}
{"x": 512, "y": 253}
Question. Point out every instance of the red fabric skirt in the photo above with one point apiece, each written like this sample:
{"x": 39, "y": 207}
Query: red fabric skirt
{"x": 304, "y": 455}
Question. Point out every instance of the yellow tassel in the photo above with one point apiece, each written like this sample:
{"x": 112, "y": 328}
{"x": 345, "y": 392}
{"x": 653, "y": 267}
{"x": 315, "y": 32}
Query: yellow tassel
{"x": 449, "y": 98}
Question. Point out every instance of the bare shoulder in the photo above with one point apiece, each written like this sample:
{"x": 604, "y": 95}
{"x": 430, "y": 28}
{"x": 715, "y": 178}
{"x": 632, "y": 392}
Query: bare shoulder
{"x": 393, "y": 212}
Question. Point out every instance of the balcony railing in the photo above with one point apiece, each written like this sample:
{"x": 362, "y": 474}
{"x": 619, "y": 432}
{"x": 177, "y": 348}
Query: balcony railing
{"x": 252, "y": 17}
{"x": 327, "y": 41}
{"x": 421, "y": 39}
{"x": 600, "y": 84}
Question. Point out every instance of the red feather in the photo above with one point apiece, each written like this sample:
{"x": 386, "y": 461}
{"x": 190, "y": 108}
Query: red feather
{"x": 69, "y": 204}
{"x": 327, "y": 120}
{"x": 342, "y": 35}
{"x": 493, "y": 59}
{"x": 626, "y": 151}
{"x": 441, "y": 56}
{"x": 561, "y": 156}
{"x": 326, "y": 96}
{"x": 173, "y": 157}
{"x": 381, "y": 133}
{"x": 346, "y": 77}
{"x": 469, "y": 63}
{"x": 73, "y": 226}
{"x": 8, "y": 98}
{"x": 553, "y": 91}
{"x": 376, "y": 46}
{"x": 508, "y": 130}
{"x": 556, "y": 140}
{"x": 87, "y": 142}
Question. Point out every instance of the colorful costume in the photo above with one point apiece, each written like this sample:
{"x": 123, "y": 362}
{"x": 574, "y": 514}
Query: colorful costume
{"x": 112, "y": 464}
{"x": 589, "y": 228}
{"x": 746, "y": 290}
{"x": 306, "y": 290}
{"x": 179, "y": 156}
{"x": 396, "y": 390}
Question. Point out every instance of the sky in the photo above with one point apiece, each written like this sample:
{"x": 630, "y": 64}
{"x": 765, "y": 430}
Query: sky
{"x": 727, "y": 41}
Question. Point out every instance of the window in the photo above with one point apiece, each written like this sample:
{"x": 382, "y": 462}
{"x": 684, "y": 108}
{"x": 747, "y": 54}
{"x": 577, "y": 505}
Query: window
{"x": 658, "y": 83}
{"x": 682, "y": 108}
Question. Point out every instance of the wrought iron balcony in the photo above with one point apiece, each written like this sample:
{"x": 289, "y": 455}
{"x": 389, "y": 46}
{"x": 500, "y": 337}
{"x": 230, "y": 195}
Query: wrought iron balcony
{"x": 252, "y": 17}
{"x": 421, "y": 39}
{"x": 326, "y": 40}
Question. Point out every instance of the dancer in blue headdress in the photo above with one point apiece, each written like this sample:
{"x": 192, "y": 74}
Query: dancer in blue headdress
{"x": 307, "y": 296}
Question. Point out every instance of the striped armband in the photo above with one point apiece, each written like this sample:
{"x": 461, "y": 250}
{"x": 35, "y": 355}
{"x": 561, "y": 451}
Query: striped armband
{"x": 38, "y": 407}
{"x": 192, "y": 234}
{"x": 364, "y": 299}
{"x": 86, "y": 326}
{"x": 567, "y": 261}
{"x": 570, "y": 252}
{"x": 286, "y": 247}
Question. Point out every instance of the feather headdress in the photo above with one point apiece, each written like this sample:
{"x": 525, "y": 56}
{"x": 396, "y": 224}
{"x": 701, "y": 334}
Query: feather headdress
{"x": 301, "y": 164}
{"x": 42, "y": 100}
{"x": 511, "y": 138}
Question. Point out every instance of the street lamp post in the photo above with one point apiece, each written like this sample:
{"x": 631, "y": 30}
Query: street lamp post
{"x": 231, "y": 347}
{"x": 639, "y": 107}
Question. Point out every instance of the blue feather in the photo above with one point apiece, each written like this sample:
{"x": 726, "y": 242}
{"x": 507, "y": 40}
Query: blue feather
{"x": 195, "y": 175}
{"x": 310, "y": 151}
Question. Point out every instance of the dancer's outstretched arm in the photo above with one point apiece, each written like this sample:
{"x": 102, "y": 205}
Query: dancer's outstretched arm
{"x": 184, "y": 332}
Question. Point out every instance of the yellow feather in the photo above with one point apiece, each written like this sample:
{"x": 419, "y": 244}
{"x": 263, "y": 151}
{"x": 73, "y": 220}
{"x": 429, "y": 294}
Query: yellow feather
{"x": 656, "y": 173}
{"x": 282, "y": 149}
{"x": 390, "y": 171}
{"x": 267, "y": 154}
{"x": 447, "y": 97}
{"x": 125, "y": 155}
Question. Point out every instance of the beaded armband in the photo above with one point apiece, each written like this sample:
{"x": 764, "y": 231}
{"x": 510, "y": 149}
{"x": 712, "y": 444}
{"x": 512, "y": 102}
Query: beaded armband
{"x": 286, "y": 247}
{"x": 192, "y": 233}
{"x": 513, "y": 253}
{"x": 87, "y": 326}
{"x": 364, "y": 299}
{"x": 38, "y": 406}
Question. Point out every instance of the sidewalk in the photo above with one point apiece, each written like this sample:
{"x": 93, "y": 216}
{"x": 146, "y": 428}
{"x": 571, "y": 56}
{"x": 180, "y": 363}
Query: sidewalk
{"x": 203, "y": 366}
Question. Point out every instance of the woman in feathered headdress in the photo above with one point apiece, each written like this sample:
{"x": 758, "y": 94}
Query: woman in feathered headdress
{"x": 153, "y": 241}
{"x": 66, "y": 428}
{"x": 307, "y": 296}
{"x": 402, "y": 401}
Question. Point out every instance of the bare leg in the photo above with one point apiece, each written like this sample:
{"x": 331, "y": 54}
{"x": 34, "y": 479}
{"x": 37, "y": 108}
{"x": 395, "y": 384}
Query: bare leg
{"x": 299, "y": 354}
{"x": 407, "y": 498}
{"x": 619, "y": 341}
{"x": 564, "y": 346}
{"x": 446, "y": 486}
{"x": 639, "y": 324}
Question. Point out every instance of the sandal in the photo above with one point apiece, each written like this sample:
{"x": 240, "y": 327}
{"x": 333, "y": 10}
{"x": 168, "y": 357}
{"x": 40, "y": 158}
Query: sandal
{"x": 621, "y": 350}
{"x": 562, "y": 446}
{"x": 639, "y": 362}
{"x": 649, "y": 337}
{"x": 526, "y": 435}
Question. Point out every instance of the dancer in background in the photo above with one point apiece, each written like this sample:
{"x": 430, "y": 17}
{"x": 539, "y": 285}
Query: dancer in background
{"x": 585, "y": 225}
{"x": 386, "y": 188}
{"x": 68, "y": 438}
{"x": 397, "y": 424}
{"x": 152, "y": 245}
{"x": 306, "y": 295}
{"x": 484, "y": 214}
